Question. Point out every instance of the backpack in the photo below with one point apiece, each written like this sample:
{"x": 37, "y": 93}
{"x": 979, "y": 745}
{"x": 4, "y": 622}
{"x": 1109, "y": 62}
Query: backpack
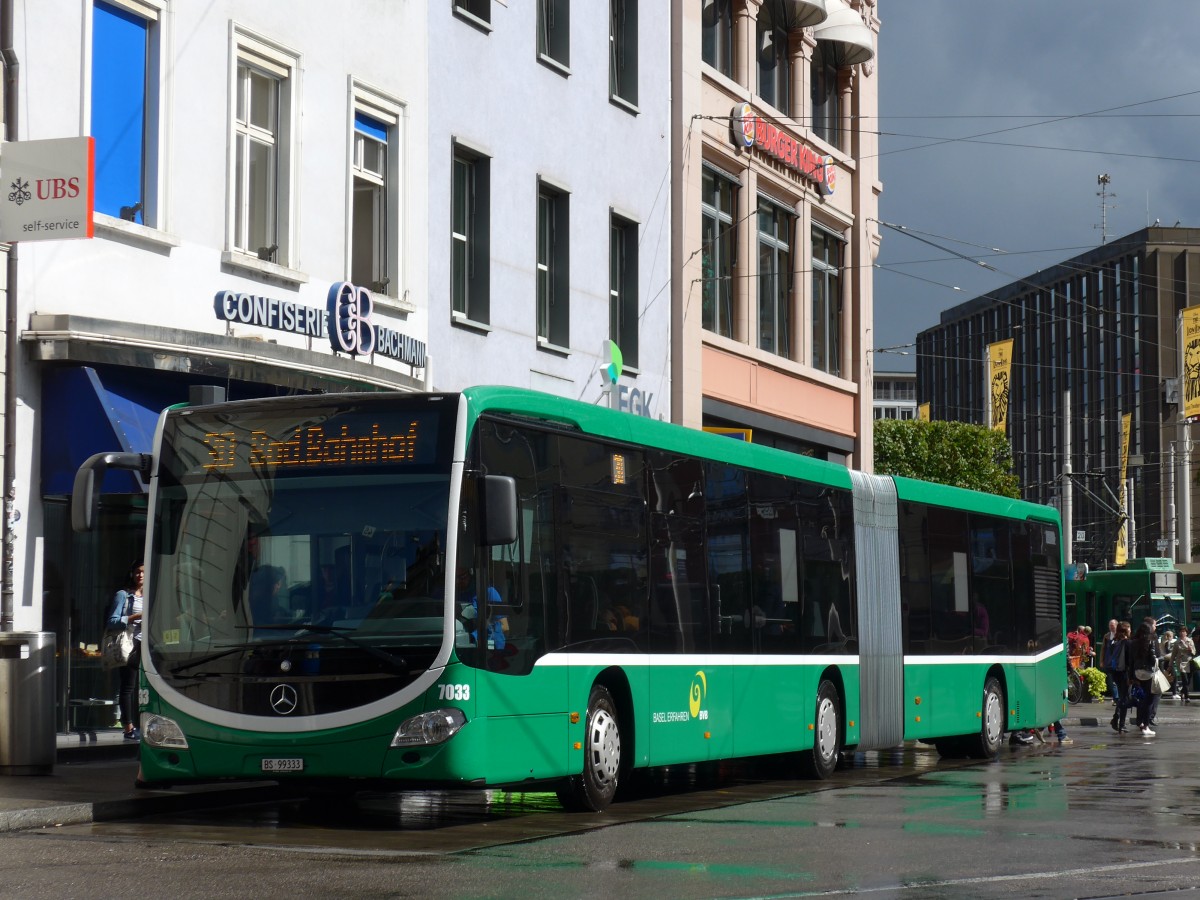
{"x": 1113, "y": 655}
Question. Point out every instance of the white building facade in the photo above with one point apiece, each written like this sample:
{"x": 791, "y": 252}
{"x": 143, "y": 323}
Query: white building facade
{"x": 507, "y": 215}
{"x": 549, "y": 197}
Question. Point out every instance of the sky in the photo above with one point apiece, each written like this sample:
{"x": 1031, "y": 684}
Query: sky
{"x": 996, "y": 122}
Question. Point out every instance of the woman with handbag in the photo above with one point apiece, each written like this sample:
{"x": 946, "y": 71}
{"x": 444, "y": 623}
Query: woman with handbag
{"x": 126, "y": 615}
{"x": 1142, "y": 664}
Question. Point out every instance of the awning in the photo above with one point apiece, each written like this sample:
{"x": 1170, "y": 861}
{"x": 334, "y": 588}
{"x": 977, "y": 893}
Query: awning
{"x": 792, "y": 14}
{"x": 853, "y": 42}
{"x": 82, "y": 415}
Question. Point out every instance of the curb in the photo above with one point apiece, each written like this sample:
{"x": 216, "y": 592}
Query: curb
{"x": 136, "y": 806}
{"x": 155, "y": 803}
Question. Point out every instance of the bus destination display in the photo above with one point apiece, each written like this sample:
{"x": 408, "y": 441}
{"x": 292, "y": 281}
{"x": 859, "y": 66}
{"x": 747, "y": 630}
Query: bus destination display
{"x": 364, "y": 443}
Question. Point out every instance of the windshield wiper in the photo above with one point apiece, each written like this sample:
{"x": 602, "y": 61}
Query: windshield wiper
{"x": 397, "y": 663}
{"x": 227, "y": 651}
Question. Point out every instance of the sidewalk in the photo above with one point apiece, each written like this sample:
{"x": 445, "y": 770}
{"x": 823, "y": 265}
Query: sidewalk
{"x": 93, "y": 781}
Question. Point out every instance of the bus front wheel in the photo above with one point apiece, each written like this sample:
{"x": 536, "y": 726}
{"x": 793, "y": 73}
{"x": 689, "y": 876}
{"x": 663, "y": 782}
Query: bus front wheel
{"x": 822, "y": 759}
{"x": 593, "y": 790}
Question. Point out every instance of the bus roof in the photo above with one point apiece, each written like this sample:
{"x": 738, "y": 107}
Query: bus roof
{"x": 639, "y": 430}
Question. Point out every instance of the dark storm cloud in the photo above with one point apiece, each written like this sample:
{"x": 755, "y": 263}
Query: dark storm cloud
{"x": 1032, "y": 80}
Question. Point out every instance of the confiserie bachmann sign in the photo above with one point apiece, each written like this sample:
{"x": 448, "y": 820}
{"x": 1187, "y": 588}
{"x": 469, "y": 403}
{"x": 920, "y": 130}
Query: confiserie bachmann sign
{"x": 750, "y": 130}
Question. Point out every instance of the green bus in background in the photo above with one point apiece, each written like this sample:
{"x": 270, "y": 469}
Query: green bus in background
{"x": 504, "y": 589}
{"x": 1147, "y": 586}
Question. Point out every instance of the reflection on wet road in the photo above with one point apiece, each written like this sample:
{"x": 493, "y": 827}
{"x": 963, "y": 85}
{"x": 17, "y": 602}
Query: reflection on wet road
{"x": 1106, "y": 816}
{"x": 454, "y": 821}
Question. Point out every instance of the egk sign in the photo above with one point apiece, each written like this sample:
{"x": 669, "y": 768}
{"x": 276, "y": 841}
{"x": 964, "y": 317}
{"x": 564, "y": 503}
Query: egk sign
{"x": 748, "y": 130}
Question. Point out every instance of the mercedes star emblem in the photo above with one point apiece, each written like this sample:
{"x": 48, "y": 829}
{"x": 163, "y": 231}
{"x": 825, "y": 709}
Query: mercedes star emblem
{"x": 284, "y": 699}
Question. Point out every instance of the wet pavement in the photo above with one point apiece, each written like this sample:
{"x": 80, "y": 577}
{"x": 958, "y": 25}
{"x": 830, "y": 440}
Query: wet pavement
{"x": 94, "y": 780}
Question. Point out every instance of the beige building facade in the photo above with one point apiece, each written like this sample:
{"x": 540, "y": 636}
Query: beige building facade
{"x": 776, "y": 196}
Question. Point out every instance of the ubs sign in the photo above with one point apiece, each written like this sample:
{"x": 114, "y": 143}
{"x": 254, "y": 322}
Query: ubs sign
{"x": 346, "y": 322}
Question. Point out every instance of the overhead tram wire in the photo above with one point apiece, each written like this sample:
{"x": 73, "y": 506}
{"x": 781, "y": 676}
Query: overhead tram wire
{"x": 937, "y": 142}
{"x": 1015, "y": 279}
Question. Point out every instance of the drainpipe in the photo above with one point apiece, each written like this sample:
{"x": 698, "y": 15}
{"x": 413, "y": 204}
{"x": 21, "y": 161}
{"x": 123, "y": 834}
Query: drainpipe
{"x": 9, "y": 484}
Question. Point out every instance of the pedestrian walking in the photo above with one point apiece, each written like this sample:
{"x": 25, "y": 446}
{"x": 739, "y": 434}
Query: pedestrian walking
{"x": 1181, "y": 663}
{"x": 1115, "y": 665}
{"x": 1142, "y": 662}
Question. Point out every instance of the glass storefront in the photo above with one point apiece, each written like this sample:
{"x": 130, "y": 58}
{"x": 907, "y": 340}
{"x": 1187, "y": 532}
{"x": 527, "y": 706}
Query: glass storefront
{"x": 81, "y": 574}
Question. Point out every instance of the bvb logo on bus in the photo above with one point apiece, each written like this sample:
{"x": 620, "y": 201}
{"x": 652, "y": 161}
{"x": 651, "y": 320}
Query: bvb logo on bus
{"x": 699, "y": 691}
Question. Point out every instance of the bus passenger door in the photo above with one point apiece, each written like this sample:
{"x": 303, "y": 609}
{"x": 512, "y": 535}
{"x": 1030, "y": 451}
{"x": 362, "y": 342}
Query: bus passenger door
{"x": 691, "y": 701}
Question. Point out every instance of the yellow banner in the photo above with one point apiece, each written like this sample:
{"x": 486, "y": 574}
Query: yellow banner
{"x": 923, "y": 412}
{"x": 1000, "y": 376}
{"x": 1191, "y": 361}
{"x": 1121, "y": 553}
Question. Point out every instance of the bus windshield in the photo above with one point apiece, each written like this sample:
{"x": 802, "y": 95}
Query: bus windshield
{"x": 309, "y": 544}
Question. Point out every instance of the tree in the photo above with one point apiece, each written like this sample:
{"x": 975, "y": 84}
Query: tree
{"x": 956, "y": 453}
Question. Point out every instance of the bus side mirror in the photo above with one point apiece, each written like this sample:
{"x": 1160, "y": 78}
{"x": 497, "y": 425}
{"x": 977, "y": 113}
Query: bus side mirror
{"x": 498, "y": 520}
{"x": 85, "y": 493}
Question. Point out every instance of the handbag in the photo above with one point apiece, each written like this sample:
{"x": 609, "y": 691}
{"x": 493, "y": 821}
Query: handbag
{"x": 115, "y": 648}
{"x": 1161, "y": 684}
{"x": 1143, "y": 674}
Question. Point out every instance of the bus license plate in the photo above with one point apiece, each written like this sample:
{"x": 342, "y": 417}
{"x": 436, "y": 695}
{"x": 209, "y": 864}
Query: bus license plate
{"x": 283, "y": 765}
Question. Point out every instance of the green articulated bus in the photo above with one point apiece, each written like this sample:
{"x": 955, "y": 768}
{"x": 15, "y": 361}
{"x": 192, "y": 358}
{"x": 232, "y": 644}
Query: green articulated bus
{"x": 504, "y": 589}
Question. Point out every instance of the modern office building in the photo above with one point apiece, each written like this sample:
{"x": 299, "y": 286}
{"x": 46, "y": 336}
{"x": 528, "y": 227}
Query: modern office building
{"x": 895, "y": 395}
{"x": 1095, "y": 340}
{"x": 776, "y": 187}
{"x": 495, "y": 176}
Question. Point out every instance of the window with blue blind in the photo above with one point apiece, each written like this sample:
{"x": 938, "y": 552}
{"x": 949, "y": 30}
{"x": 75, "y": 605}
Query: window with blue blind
{"x": 120, "y": 113}
{"x": 369, "y": 258}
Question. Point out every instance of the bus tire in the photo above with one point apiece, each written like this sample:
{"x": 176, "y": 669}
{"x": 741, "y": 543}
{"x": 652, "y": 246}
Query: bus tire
{"x": 990, "y": 738}
{"x": 822, "y": 759}
{"x": 593, "y": 791}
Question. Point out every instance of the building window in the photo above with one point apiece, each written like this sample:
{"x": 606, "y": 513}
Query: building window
{"x": 554, "y": 30}
{"x": 553, "y": 266}
{"x": 718, "y": 242}
{"x": 470, "y": 236}
{"x": 623, "y": 51}
{"x": 774, "y": 279}
{"x": 774, "y": 65}
{"x": 622, "y": 292}
{"x": 826, "y": 97}
{"x": 717, "y": 35}
{"x": 479, "y": 10}
{"x": 262, "y": 151}
{"x": 374, "y": 214}
{"x": 125, "y": 108}
{"x": 827, "y": 301}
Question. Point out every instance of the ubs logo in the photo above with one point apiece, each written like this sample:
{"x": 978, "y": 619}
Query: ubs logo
{"x": 284, "y": 699}
{"x": 350, "y": 327}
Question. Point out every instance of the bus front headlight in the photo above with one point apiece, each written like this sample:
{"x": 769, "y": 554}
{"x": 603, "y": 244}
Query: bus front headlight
{"x": 159, "y": 731}
{"x": 434, "y": 727}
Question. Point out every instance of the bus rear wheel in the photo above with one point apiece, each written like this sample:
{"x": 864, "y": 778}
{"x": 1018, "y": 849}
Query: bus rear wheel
{"x": 822, "y": 759}
{"x": 593, "y": 790}
{"x": 987, "y": 742}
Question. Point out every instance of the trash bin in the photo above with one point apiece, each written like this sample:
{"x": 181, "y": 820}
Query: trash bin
{"x": 27, "y": 739}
